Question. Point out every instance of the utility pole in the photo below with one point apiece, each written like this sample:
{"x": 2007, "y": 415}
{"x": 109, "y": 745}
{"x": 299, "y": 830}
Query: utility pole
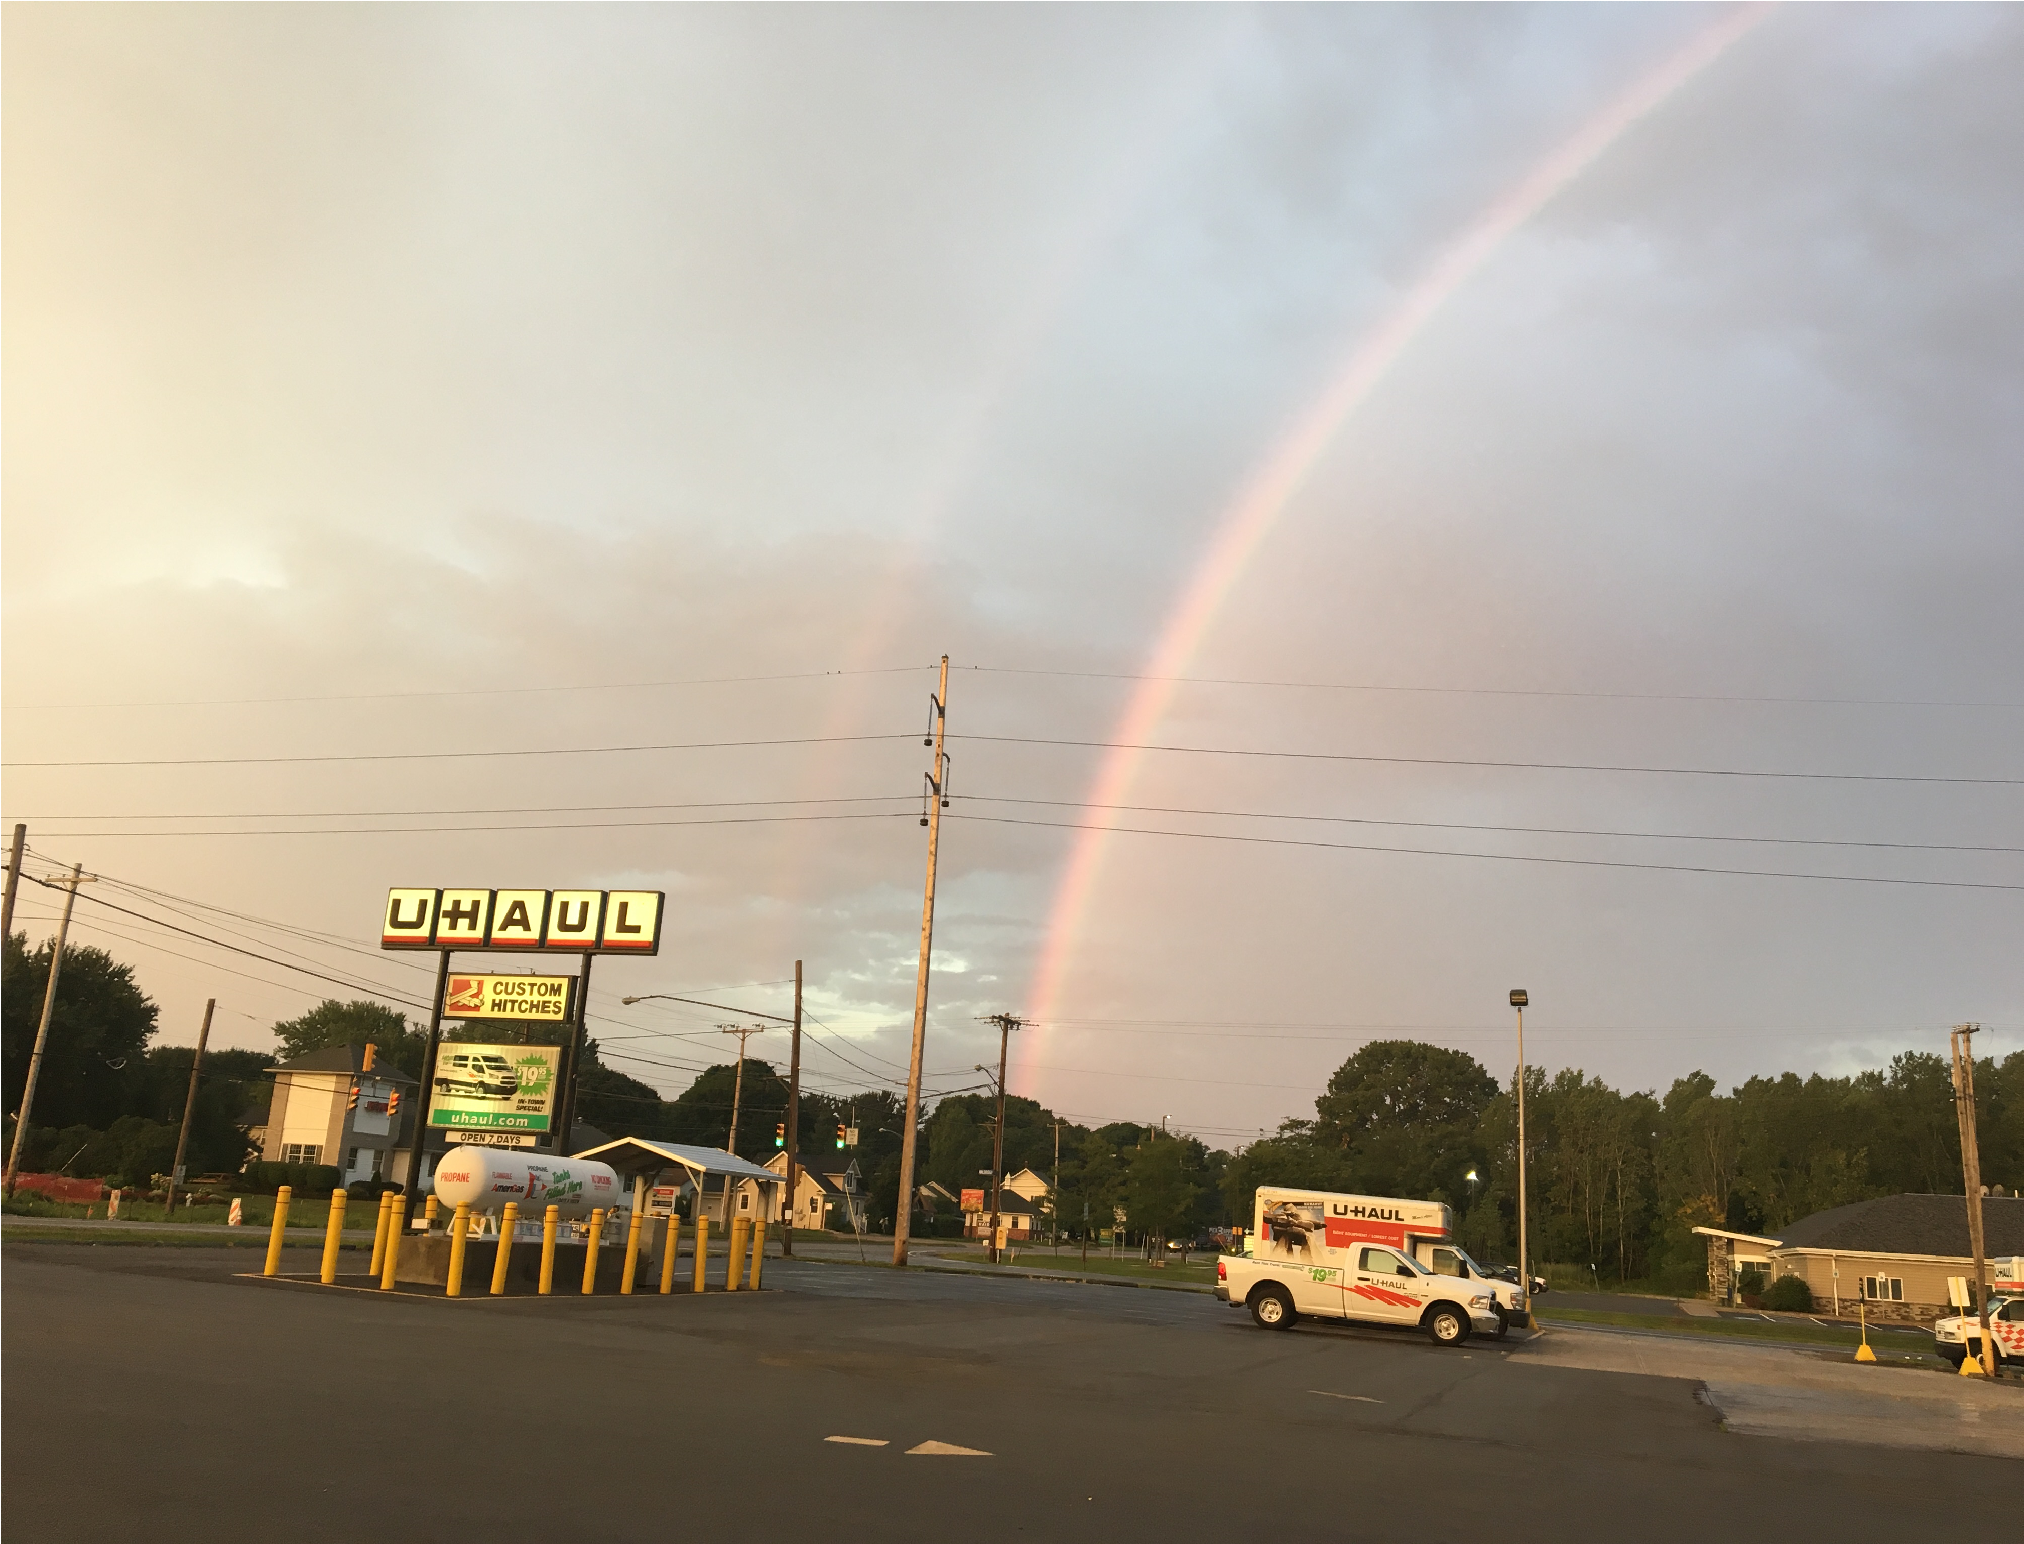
{"x": 938, "y": 782}
{"x": 13, "y": 881}
{"x": 572, "y": 1065}
{"x": 417, "y": 1146}
{"x": 1961, "y": 1042}
{"x": 1519, "y": 1000}
{"x": 744, "y": 1032}
{"x": 1006, "y": 1023}
{"x": 77, "y": 877}
{"x": 189, "y": 1107}
{"x": 1054, "y": 1192}
{"x": 793, "y": 1118}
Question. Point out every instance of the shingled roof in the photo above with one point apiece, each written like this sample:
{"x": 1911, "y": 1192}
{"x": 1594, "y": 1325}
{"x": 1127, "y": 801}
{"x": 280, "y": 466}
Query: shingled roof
{"x": 1911, "y": 1225}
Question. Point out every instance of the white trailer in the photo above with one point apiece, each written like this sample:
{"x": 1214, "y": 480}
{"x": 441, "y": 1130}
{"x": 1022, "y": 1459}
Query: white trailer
{"x": 1354, "y": 1257}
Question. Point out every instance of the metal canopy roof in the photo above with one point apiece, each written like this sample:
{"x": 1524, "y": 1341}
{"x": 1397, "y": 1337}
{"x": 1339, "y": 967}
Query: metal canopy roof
{"x": 635, "y": 1155}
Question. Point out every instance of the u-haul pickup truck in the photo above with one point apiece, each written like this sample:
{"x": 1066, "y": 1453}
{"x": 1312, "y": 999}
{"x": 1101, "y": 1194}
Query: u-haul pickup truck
{"x": 1351, "y": 1257}
{"x": 1960, "y": 1336}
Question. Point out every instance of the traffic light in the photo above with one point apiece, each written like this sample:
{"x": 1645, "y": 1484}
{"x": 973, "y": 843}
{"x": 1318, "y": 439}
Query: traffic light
{"x": 839, "y": 1134}
{"x": 394, "y": 1102}
{"x": 351, "y": 1102}
{"x": 370, "y": 1051}
{"x": 780, "y": 1134}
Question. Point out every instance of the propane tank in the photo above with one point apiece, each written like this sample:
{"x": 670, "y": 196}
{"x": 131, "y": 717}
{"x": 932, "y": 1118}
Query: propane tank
{"x": 486, "y": 1178}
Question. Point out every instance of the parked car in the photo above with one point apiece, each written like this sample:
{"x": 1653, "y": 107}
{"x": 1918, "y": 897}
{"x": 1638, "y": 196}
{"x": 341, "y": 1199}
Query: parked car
{"x": 1510, "y": 1273}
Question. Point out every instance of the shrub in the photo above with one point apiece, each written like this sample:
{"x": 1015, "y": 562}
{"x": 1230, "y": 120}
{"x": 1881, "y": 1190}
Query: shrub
{"x": 1789, "y": 1294}
{"x": 304, "y": 1179}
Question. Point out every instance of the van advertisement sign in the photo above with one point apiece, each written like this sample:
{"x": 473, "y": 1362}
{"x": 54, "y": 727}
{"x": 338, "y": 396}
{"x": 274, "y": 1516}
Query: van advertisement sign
{"x": 508, "y": 997}
{"x": 504, "y": 1088}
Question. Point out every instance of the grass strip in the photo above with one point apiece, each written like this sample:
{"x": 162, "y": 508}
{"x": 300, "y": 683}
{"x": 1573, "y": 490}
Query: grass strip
{"x": 1733, "y": 1329}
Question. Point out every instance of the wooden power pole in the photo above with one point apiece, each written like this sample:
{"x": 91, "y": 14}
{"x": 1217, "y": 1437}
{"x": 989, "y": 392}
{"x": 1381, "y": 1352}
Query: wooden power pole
{"x": 1006, "y": 1023}
{"x": 938, "y": 783}
{"x": 1961, "y": 1041}
{"x": 13, "y": 881}
{"x": 189, "y": 1107}
{"x": 793, "y": 1118}
{"x": 69, "y": 885}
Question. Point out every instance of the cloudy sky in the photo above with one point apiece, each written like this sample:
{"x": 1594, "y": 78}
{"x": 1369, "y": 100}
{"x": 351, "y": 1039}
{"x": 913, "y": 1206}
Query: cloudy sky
{"x": 1628, "y": 388}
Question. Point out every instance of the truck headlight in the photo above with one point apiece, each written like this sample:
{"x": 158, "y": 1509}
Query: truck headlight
{"x": 1479, "y": 1302}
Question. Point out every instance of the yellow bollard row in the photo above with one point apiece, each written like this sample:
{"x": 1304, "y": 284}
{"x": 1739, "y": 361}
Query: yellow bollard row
{"x": 702, "y": 1247}
{"x": 590, "y": 1250}
{"x": 379, "y": 1235}
{"x": 460, "y": 1228}
{"x": 397, "y": 1218}
{"x": 548, "y": 1250}
{"x": 508, "y": 1221}
{"x": 668, "y": 1258}
{"x": 429, "y": 1215}
{"x": 280, "y": 1225}
{"x": 758, "y": 1251}
{"x": 333, "y": 1236}
{"x": 632, "y": 1252}
{"x": 734, "y": 1267}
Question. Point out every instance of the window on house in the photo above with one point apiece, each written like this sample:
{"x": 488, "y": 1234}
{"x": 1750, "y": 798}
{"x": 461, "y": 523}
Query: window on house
{"x": 302, "y": 1152}
{"x": 745, "y": 1202}
{"x": 1884, "y": 1289}
{"x": 351, "y": 1160}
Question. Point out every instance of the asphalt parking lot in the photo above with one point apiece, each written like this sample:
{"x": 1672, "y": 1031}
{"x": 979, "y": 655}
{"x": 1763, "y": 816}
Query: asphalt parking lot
{"x": 151, "y": 1394}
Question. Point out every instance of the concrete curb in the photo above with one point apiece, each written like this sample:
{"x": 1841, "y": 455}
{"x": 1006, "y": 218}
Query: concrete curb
{"x": 1018, "y": 1275}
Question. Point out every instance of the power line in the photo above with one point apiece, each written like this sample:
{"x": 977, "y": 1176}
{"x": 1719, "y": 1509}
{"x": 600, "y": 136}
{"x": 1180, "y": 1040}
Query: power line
{"x": 482, "y": 691}
{"x": 1484, "y": 691}
{"x": 1450, "y": 761}
{"x": 564, "y": 750}
{"x": 1441, "y": 825}
{"x": 593, "y": 825}
{"x": 1496, "y": 857}
{"x": 507, "y": 809}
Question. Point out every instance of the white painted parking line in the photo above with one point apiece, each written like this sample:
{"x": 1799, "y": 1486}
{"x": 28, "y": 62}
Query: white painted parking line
{"x": 860, "y": 1441}
{"x": 1363, "y": 1399}
{"x": 947, "y": 1450}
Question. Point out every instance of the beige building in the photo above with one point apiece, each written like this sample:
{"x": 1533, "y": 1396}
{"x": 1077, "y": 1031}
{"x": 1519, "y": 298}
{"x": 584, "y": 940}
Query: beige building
{"x": 1890, "y": 1257}
{"x": 313, "y": 1116}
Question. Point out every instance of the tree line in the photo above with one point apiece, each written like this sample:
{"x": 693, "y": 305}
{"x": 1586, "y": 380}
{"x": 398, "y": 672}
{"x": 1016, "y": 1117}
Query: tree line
{"x": 1616, "y": 1180}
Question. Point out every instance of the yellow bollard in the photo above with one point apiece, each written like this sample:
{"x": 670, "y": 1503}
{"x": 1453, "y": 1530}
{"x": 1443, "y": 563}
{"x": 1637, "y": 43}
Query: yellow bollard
{"x": 379, "y": 1233}
{"x": 758, "y": 1250}
{"x": 429, "y": 1216}
{"x": 460, "y": 1227}
{"x": 333, "y": 1236}
{"x": 508, "y": 1221}
{"x": 548, "y": 1250}
{"x": 590, "y": 1250}
{"x": 668, "y": 1259}
{"x": 397, "y": 1218}
{"x": 1863, "y": 1352}
{"x": 702, "y": 1248}
{"x": 734, "y": 1266}
{"x": 632, "y": 1252}
{"x": 280, "y": 1223}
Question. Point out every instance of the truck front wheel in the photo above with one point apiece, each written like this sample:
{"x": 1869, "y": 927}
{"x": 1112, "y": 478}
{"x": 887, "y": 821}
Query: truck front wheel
{"x": 1446, "y": 1326}
{"x": 1272, "y": 1308}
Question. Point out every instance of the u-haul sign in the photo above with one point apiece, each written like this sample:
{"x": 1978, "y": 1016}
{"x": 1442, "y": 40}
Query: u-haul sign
{"x": 559, "y": 921}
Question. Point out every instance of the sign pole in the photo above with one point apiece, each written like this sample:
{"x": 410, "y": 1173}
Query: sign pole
{"x": 565, "y": 1105}
{"x": 428, "y": 1077}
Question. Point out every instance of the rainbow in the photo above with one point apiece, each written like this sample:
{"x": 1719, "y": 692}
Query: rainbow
{"x": 1278, "y": 477}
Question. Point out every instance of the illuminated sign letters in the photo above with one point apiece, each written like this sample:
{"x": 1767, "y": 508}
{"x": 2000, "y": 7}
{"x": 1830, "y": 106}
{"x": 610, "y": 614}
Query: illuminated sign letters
{"x": 539, "y": 921}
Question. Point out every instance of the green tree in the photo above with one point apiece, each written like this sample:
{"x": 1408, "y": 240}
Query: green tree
{"x": 1293, "y": 1158}
{"x": 92, "y": 1066}
{"x": 358, "y": 1022}
{"x": 1160, "y": 1188}
{"x": 1406, "y": 1113}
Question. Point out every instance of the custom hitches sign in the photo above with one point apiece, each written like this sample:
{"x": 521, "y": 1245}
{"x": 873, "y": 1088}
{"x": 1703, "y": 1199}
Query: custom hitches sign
{"x": 543, "y": 998}
{"x": 562, "y": 921}
{"x": 488, "y": 1088}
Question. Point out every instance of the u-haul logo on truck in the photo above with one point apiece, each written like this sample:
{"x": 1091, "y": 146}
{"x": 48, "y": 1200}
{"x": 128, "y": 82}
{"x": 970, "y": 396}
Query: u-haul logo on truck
{"x": 1367, "y": 1213}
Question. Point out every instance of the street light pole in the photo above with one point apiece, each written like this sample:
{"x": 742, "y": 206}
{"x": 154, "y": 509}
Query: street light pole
{"x": 1520, "y": 1001}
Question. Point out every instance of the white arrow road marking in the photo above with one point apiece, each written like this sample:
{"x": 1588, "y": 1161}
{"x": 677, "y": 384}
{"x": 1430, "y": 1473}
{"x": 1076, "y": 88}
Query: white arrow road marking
{"x": 947, "y": 1450}
{"x": 1364, "y": 1399}
{"x": 860, "y": 1441}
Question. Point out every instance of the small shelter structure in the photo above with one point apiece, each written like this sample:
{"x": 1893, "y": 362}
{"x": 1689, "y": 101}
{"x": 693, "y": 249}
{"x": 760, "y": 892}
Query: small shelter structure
{"x": 672, "y": 1167}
